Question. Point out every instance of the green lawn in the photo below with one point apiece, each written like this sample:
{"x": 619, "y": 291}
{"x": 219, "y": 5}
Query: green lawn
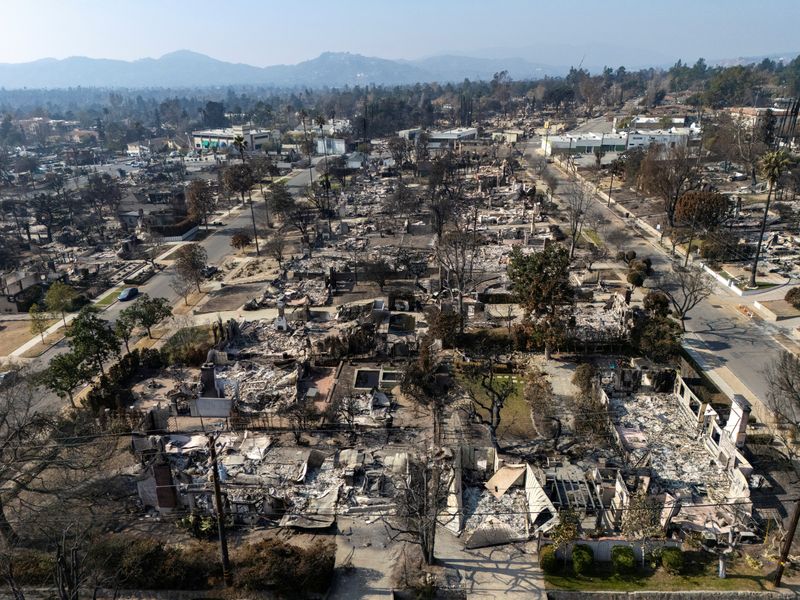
{"x": 700, "y": 574}
{"x": 592, "y": 236}
{"x": 515, "y": 417}
{"x": 108, "y": 299}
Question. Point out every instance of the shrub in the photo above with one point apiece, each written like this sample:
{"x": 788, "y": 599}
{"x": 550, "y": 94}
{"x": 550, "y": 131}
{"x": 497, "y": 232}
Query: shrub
{"x": 623, "y": 559}
{"x": 548, "y": 560}
{"x": 793, "y": 297}
{"x": 672, "y": 560}
{"x": 276, "y": 565}
{"x": 32, "y": 567}
{"x": 582, "y": 559}
{"x": 630, "y": 255}
{"x": 620, "y": 255}
{"x": 583, "y": 377}
{"x": 636, "y": 278}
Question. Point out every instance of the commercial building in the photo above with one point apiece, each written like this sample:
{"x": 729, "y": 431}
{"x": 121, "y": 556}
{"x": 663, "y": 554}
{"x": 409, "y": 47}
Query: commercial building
{"x": 450, "y": 138}
{"x": 584, "y": 143}
{"x": 221, "y": 139}
{"x": 617, "y": 142}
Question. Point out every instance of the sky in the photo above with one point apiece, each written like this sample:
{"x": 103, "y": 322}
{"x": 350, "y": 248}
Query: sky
{"x": 266, "y": 32}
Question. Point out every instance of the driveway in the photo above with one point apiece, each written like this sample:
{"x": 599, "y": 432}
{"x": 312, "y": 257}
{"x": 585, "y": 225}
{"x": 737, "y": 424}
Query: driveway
{"x": 508, "y": 572}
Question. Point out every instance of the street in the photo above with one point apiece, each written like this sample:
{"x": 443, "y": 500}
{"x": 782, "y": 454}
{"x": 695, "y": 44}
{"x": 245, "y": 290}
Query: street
{"x": 718, "y": 335}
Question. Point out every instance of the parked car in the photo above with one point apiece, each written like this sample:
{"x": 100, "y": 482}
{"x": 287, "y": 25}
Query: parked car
{"x": 128, "y": 294}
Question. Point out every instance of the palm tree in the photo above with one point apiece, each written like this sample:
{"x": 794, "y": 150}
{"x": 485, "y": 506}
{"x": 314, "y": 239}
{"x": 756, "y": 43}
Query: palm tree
{"x": 303, "y": 115}
{"x": 773, "y": 166}
{"x": 320, "y": 121}
{"x": 240, "y": 144}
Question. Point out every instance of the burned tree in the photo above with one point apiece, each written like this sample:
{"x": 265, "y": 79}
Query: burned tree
{"x": 421, "y": 498}
{"x": 669, "y": 174}
{"x": 456, "y": 252}
{"x": 783, "y": 374}
{"x": 46, "y": 460}
{"x": 685, "y": 289}
{"x": 489, "y": 391}
{"x": 578, "y": 198}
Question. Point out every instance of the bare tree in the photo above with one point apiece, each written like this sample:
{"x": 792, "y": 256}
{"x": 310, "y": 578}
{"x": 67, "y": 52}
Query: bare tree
{"x": 539, "y": 396}
{"x": 685, "y": 288}
{"x": 421, "y": 499}
{"x": 488, "y": 395}
{"x": 275, "y": 247}
{"x": 44, "y": 459}
{"x": 783, "y": 374}
{"x": 181, "y": 286}
{"x": 456, "y": 251}
{"x": 578, "y": 198}
{"x": 669, "y": 174}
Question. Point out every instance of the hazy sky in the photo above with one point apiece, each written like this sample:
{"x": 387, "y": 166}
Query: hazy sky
{"x": 263, "y": 32}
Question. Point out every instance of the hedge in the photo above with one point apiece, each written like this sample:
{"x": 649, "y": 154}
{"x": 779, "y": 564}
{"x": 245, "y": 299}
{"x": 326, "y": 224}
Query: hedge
{"x": 582, "y": 559}
{"x": 623, "y": 559}
{"x": 793, "y": 297}
{"x": 548, "y": 560}
{"x": 672, "y": 560}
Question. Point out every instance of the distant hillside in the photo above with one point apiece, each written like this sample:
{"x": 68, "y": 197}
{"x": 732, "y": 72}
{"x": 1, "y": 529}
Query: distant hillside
{"x": 190, "y": 69}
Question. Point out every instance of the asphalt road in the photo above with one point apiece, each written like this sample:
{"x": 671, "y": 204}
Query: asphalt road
{"x": 715, "y": 329}
{"x": 216, "y": 244}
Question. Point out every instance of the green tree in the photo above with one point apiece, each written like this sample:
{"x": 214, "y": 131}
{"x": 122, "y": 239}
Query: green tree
{"x": 124, "y": 325}
{"x": 699, "y": 210}
{"x": 190, "y": 260}
{"x": 239, "y": 179}
{"x": 39, "y": 320}
{"x": 773, "y": 165}
{"x": 200, "y": 201}
{"x": 92, "y": 339}
{"x": 240, "y": 240}
{"x": 150, "y": 311}
{"x": 64, "y": 373}
{"x": 240, "y": 144}
{"x": 542, "y": 287}
{"x": 59, "y": 298}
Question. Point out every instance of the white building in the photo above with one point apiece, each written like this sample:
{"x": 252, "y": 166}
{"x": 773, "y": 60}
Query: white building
{"x": 617, "y": 142}
{"x": 222, "y": 139}
{"x": 584, "y": 143}
{"x": 450, "y": 138}
{"x": 669, "y": 138}
{"x": 330, "y": 146}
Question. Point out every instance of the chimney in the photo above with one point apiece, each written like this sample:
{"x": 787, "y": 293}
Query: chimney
{"x": 208, "y": 382}
{"x": 736, "y": 427}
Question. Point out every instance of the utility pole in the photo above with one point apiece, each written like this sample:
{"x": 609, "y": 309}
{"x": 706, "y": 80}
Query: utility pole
{"x": 610, "y": 185}
{"x": 787, "y": 543}
{"x": 223, "y": 539}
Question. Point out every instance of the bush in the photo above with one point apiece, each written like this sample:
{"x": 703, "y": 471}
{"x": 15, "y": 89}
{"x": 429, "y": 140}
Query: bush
{"x": 583, "y": 377}
{"x": 793, "y": 297}
{"x": 623, "y": 559}
{"x": 620, "y": 255}
{"x": 630, "y": 255}
{"x": 189, "y": 346}
{"x": 148, "y": 564}
{"x": 32, "y": 567}
{"x": 636, "y": 278}
{"x": 276, "y": 565}
{"x": 548, "y": 560}
{"x": 672, "y": 560}
{"x": 582, "y": 559}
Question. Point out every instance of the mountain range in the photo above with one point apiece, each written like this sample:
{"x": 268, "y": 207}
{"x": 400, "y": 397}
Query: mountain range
{"x": 190, "y": 69}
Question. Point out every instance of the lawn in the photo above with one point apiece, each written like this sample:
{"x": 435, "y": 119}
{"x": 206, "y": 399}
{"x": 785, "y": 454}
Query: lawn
{"x": 108, "y": 299}
{"x": 592, "y": 236}
{"x": 15, "y": 333}
{"x": 41, "y": 347}
{"x": 700, "y": 573}
{"x": 515, "y": 417}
